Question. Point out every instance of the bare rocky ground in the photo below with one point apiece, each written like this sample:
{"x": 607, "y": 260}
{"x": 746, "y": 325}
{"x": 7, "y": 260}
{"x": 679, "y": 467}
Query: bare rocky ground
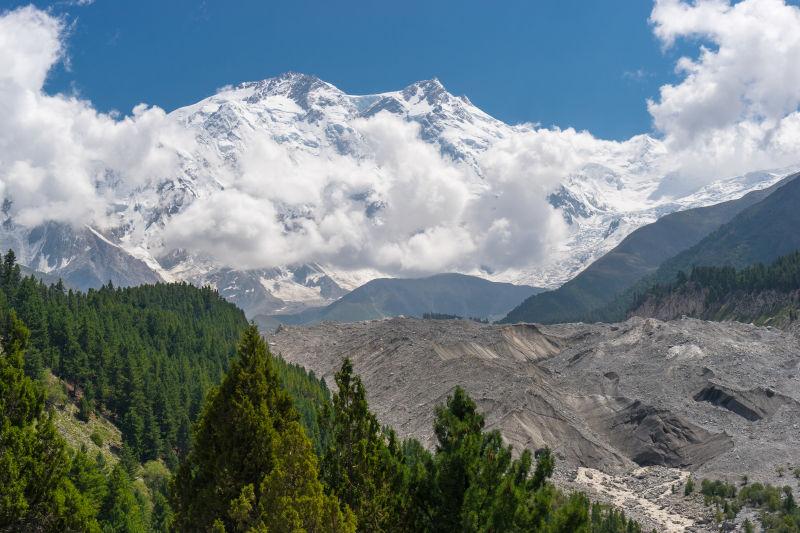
{"x": 630, "y": 409}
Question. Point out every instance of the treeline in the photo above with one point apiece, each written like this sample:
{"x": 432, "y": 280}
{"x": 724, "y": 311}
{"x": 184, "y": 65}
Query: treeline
{"x": 44, "y": 485}
{"x": 143, "y": 356}
{"x": 719, "y": 283}
{"x": 445, "y": 316}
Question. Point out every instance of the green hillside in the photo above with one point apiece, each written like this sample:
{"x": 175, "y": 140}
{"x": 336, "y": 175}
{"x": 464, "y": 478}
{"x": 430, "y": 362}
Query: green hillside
{"x": 764, "y": 295}
{"x": 591, "y": 295}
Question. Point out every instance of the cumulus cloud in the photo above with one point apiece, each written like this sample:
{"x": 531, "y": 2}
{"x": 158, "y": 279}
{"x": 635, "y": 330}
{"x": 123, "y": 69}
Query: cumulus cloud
{"x": 404, "y": 209}
{"x": 57, "y": 152}
{"x": 735, "y": 108}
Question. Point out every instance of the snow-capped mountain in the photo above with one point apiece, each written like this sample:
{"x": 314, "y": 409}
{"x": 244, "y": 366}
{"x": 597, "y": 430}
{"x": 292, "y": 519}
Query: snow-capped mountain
{"x": 603, "y": 202}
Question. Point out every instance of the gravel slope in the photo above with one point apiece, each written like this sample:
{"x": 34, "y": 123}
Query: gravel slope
{"x": 633, "y": 400}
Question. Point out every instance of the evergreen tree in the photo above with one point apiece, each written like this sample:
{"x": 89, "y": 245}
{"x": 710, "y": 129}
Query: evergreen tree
{"x": 458, "y": 428}
{"x": 156, "y": 477}
{"x": 292, "y": 497}
{"x": 358, "y": 465}
{"x": 478, "y": 486}
{"x": 226, "y": 482}
{"x": 123, "y": 511}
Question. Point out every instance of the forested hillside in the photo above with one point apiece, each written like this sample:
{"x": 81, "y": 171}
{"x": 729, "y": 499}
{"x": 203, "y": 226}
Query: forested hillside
{"x": 763, "y": 294}
{"x": 761, "y": 233}
{"x": 144, "y": 356}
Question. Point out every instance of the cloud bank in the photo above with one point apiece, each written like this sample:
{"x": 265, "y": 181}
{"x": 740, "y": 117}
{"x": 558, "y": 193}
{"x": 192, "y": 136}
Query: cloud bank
{"x": 404, "y": 208}
{"x": 57, "y": 153}
{"x": 736, "y": 106}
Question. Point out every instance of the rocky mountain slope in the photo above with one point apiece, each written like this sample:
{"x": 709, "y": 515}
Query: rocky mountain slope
{"x": 768, "y": 307}
{"x": 641, "y": 254}
{"x": 640, "y": 392}
{"x": 603, "y": 202}
{"x": 83, "y": 257}
{"x": 635, "y": 404}
{"x": 452, "y": 294}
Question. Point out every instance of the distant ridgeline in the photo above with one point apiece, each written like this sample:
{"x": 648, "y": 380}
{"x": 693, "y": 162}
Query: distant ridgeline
{"x": 145, "y": 357}
{"x": 764, "y": 295}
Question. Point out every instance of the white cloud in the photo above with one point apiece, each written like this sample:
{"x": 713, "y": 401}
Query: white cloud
{"x": 735, "y": 107}
{"x": 403, "y": 210}
{"x": 57, "y": 152}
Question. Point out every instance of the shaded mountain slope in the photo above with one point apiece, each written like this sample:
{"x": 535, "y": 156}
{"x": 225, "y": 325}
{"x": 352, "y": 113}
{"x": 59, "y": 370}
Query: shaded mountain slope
{"x": 637, "y": 256}
{"x": 759, "y": 234}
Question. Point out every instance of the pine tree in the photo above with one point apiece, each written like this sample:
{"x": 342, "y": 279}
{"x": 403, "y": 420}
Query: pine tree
{"x": 292, "y": 497}
{"x": 358, "y": 465}
{"x": 122, "y": 510}
{"x": 572, "y": 517}
{"x": 458, "y": 427}
{"x": 249, "y": 455}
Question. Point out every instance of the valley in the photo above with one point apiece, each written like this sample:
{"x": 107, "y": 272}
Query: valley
{"x": 438, "y": 267}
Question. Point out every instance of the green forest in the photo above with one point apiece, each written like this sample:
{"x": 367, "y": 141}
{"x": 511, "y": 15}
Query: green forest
{"x": 720, "y": 283}
{"x": 220, "y": 435}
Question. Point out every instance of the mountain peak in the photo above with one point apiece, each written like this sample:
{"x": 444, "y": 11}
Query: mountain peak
{"x": 430, "y": 90}
{"x": 294, "y": 85}
{"x": 431, "y": 84}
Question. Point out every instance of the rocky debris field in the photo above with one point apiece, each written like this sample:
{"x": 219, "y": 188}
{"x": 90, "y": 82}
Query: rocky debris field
{"x": 629, "y": 408}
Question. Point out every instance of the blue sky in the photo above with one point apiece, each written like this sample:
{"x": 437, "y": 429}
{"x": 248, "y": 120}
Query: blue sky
{"x": 589, "y": 64}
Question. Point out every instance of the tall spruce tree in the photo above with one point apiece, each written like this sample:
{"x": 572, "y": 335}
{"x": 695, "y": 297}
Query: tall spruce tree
{"x": 251, "y": 464}
{"x": 477, "y": 484}
{"x": 359, "y": 465}
{"x": 458, "y": 428}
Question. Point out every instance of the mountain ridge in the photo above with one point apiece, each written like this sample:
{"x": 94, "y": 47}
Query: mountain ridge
{"x": 760, "y": 294}
{"x": 447, "y": 294}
